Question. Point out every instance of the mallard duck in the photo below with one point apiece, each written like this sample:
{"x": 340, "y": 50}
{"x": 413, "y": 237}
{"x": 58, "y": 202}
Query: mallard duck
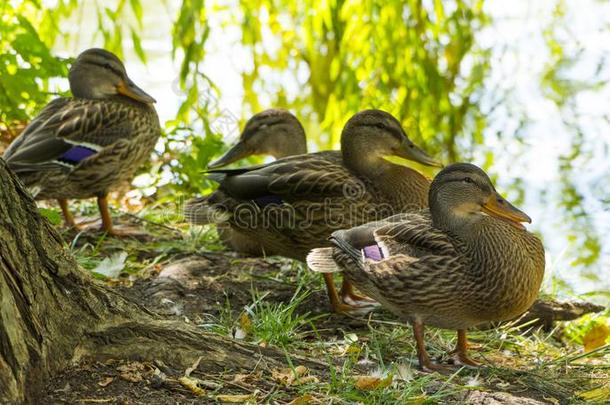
{"x": 293, "y": 204}
{"x": 465, "y": 261}
{"x": 81, "y": 147}
{"x": 275, "y": 132}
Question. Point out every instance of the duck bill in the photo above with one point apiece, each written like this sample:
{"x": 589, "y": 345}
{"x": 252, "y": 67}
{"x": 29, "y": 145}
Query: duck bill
{"x": 498, "y": 207}
{"x": 237, "y": 152}
{"x": 129, "y": 89}
{"x": 413, "y": 152}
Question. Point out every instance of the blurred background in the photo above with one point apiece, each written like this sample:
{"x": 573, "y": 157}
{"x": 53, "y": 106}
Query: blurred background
{"x": 519, "y": 88}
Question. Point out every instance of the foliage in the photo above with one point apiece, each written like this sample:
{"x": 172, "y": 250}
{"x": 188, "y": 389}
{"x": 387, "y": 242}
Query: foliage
{"x": 562, "y": 87}
{"x": 26, "y": 63}
{"x": 418, "y": 61}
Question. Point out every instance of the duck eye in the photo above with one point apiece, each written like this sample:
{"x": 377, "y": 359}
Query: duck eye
{"x": 107, "y": 66}
{"x": 380, "y": 125}
{"x": 469, "y": 180}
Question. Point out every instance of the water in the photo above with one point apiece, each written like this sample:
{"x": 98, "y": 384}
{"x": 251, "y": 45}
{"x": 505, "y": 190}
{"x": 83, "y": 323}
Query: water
{"x": 520, "y": 58}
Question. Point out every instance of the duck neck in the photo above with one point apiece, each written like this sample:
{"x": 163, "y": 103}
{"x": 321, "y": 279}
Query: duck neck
{"x": 459, "y": 223}
{"x": 403, "y": 187}
{"x": 290, "y": 147}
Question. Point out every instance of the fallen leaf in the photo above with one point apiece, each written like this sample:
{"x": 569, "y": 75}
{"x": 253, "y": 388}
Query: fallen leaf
{"x": 246, "y": 378}
{"x": 105, "y": 382}
{"x": 596, "y": 337}
{"x": 368, "y": 382}
{"x": 302, "y": 400}
{"x": 191, "y": 384}
{"x": 112, "y": 266}
{"x": 236, "y": 398}
{"x": 597, "y": 394}
{"x": 132, "y": 371}
{"x": 245, "y": 322}
{"x": 192, "y": 368}
{"x": 296, "y": 376}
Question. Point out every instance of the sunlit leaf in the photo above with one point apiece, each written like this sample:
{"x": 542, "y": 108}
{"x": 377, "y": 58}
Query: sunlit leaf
{"x": 596, "y": 337}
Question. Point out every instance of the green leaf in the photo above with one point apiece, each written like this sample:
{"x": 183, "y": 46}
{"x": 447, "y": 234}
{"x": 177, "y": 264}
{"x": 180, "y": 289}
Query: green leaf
{"x": 137, "y": 45}
{"x": 52, "y": 215}
{"x": 136, "y": 7}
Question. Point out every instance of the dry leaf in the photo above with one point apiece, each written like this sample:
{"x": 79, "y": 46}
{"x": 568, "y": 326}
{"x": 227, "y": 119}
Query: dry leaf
{"x": 246, "y": 378}
{"x": 302, "y": 400}
{"x": 236, "y": 398}
{"x": 132, "y": 371}
{"x": 596, "y": 337}
{"x": 191, "y": 384}
{"x": 245, "y": 322}
{"x": 105, "y": 382}
{"x": 131, "y": 376}
{"x": 192, "y": 368}
{"x": 288, "y": 376}
{"x": 368, "y": 382}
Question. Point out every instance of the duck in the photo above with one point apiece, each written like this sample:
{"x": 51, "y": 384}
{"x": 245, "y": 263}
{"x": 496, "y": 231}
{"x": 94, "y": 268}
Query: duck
{"x": 83, "y": 146}
{"x": 464, "y": 261}
{"x": 293, "y": 204}
{"x": 273, "y": 132}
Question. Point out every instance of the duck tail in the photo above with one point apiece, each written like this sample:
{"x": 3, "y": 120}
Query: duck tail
{"x": 199, "y": 211}
{"x": 216, "y": 177}
{"x": 340, "y": 241}
{"x": 321, "y": 260}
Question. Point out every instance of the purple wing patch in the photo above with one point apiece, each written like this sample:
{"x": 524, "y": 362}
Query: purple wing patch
{"x": 268, "y": 199}
{"x": 373, "y": 252}
{"x": 76, "y": 154}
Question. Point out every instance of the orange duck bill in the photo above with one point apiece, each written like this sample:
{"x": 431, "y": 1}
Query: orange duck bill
{"x": 498, "y": 207}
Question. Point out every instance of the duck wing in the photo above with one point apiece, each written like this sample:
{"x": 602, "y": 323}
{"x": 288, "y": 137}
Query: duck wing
{"x": 412, "y": 257}
{"x": 311, "y": 176}
{"x": 415, "y": 236}
{"x": 66, "y": 132}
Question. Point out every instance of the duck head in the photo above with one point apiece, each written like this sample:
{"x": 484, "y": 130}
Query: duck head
{"x": 274, "y": 132}
{"x": 462, "y": 193}
{"x": 98, "y": 74}
{"x": 371, "y": 135}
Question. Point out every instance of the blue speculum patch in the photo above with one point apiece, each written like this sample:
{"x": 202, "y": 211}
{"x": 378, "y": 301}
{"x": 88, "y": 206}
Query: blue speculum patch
{"x": 76, "y": 154}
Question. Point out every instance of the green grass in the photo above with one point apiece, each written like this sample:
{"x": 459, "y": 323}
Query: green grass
{"x": 279, "y": 323}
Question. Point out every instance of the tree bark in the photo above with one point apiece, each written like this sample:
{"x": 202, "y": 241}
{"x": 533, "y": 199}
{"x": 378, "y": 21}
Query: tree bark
{"x": 52, "y": 313}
